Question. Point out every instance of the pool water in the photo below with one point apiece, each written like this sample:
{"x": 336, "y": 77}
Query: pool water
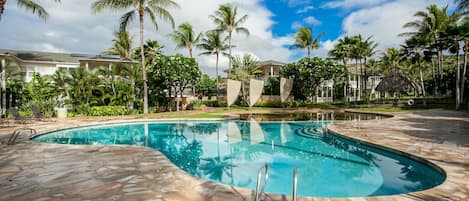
{"x": 231, "y": 152}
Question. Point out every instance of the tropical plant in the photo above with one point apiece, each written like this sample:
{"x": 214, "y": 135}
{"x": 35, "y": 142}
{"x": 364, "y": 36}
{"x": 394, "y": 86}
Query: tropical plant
{"x": 176, "y": 72}
{"x": 152, "y": 8}
{"x": 244, "y": 69}
{"x": 414, "y": 48}
{"x": 206, "y": 85}
{"x": 213, "y": 43}
{"x": 309, "y": 73}
{"x": 304, "y": 39}
{"x": 432, "y": 23}
{"x": 462, "y": 4}
{"x": 28, "y": 5}
{"x": 390, "y": 59}
{"x": 121, "y": 45}
{"x": 84, "y": 86}
{"x": 184, "y": 37}
{"x": 225, "y": 18}
{"x": 59, "y": 84}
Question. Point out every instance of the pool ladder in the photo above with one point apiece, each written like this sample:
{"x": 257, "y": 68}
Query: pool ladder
{"x": 259, "y": 189}
{"x": 18, "y": 132}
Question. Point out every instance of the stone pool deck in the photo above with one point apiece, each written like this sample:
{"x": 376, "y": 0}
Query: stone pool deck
{"x": 35, "y": 171}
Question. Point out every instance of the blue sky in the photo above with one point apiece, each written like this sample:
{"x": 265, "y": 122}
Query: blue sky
{"x": 272, "y": 23}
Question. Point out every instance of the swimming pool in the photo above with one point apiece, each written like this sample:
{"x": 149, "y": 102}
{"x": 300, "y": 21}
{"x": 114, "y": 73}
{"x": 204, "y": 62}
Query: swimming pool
{"x": 231, "y": 152}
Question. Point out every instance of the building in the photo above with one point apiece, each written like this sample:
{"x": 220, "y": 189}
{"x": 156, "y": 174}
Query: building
{"x": 46, "y": 63}
{"x": 357, "y": 85}
{"x": 271, "y": 68}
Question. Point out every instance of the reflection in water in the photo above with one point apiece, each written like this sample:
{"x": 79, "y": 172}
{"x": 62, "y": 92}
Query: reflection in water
{"x": 306, "y": 116}
{"x": 231, "y": 152}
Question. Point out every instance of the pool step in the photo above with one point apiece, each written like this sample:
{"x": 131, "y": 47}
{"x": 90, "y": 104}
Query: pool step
{"x": 310, "y": 132}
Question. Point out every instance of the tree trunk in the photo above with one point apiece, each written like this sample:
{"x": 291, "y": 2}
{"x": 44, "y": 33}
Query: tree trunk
{"x": 216, "y": 69}
{"x": 422, "y": 83}
{"x": 458, "y": 79}
{"x": 229, "y": 53}
{"x": 309, "y": 52}
{"x": 463, "y": 76}
{"x": 190, "y": 50}
{"x": 177, "y": 100}
{"x": 142, "y": 54}
{"x": 356, "y": 81}
{"x": 169, "y": 97}
{"x": 2, "y": 8}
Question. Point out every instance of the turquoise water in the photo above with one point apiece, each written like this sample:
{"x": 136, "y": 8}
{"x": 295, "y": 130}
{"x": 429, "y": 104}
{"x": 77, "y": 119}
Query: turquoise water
{"x": 231, "y": 152}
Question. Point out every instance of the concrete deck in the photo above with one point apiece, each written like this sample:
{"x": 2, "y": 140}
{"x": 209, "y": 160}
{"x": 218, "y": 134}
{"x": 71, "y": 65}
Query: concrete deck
{"x": 35, "y": 171}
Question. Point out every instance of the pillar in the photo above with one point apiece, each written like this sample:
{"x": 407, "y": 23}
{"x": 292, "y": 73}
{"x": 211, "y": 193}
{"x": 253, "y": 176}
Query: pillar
{"x": 3, "y": 78}
{"x": 86, "y": 65}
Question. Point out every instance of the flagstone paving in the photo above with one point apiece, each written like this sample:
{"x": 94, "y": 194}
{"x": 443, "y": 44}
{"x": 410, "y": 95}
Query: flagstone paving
{"x": 35, "y": 171}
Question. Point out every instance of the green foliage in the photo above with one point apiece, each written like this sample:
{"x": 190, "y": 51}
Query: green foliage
{"x": 197, "y": 103}
{"x": 272, "y": 87}
{"x": 215, "y": 103}
{"x": 206, "y": 86}
{"x": 308, "y": 73}
{"x": 108, "y": 111}
{"x": 46, "y": 107}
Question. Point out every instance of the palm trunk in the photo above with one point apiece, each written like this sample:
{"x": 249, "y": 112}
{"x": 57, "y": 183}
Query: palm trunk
{"x": 309, "y": 52}
{"x": 144, "y": 74}
{"x": 2, "y": 8}
{"x": 458, "y": 80}
{"x": 216, "y": 69}
{"x": 422, "y": 83}
{"x": 463, "y": 76}
{"x": 229, "y": 53}
{"x": 189, "y": 47}
{"x": 357, "y": 94}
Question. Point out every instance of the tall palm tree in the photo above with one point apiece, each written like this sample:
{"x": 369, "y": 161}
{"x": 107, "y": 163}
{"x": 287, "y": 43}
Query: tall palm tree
{"x": 213, "y": 43}
{"x": 152, "y": 8}
{"x": 432, "y": 23}
{"x": 304, "y": 39}
{"x": 121, "y": 45}
{"x": 414, "y": 47}
{"x": 225, "y": 18}
{"x": 184, "y": 37}
{"x": 343, "y": 51}
{"x": 28, "y": 5}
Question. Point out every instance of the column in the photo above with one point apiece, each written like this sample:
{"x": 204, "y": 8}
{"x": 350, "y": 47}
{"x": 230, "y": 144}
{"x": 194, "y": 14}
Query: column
{"x": 86, "y": 65}
{"x": 271, "y": 71}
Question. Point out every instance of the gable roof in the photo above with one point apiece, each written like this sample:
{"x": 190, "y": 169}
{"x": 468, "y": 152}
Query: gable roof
{"x": 272, "y": 62}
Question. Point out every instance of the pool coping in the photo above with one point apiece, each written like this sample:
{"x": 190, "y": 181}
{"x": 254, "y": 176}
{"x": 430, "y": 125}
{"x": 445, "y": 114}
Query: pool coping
{"x": 248, "y": 192}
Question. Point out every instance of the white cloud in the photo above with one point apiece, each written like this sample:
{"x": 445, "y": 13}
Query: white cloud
{"x": 296, "y": 25}
{"x": 384, "y": 23}
{"x": 304, "y": 9}
{"x": 294, "y": 3}
{"x": 347, "y": 4}
{"x": 73, "y": 28}
{"x": 311, "y": 20}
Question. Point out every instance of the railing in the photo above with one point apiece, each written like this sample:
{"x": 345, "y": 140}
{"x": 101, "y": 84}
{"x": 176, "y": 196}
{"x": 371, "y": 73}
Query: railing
{"x": 259, "y": 189}
{"x": 295, "y": 183}
{"x": 18, "y": 132}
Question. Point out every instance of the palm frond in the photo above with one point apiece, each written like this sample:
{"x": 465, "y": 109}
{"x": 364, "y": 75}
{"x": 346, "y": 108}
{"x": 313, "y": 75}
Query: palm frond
{"x": 34, "y": 8}
{"x": 126, "y": 19}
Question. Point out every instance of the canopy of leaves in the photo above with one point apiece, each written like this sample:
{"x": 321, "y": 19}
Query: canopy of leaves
{"x": 308, "y": 73}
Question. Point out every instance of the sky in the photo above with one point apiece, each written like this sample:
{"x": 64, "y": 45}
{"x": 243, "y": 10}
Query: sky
{"x": 272, "y": 24}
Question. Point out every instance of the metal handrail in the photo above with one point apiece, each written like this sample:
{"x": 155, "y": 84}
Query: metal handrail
{"x": 295, "y": 183}
{"x": 18, "y": 132}
{"x": 258, "y": 184}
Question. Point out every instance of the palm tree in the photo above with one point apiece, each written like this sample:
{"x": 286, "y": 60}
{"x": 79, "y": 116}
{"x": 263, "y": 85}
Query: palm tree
{"x": 152, "y": 8}
{"x": 212, "y": 43}
{"x": 304, "y": 39}
{"x": 463, "y": 4}
{"x": 432, "y": 23}
{"x": 225, "y": 18}
{"x": 245, "y": 68}
{"x": 391, "y": 59}
{"x": 28, "y": 5}
{"x": 343, "y": 51}
{"x": 184, "y": 37}
{"x": 121, "y": 45}
{"x": 414, "y": 47}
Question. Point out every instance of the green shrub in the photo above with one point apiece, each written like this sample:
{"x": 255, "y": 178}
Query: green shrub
{"x": 214, "y": 103}
{"x": 108, "y": 111}
{"x": 197, "y": 103}
{"x": 46, "y": 107}
{"x": 273, "y": 104}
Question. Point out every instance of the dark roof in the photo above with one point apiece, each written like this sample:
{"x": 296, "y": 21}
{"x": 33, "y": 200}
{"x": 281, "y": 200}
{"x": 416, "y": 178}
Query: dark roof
{"x": 59, "y": 57}
{"x": 396, "y": 81}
